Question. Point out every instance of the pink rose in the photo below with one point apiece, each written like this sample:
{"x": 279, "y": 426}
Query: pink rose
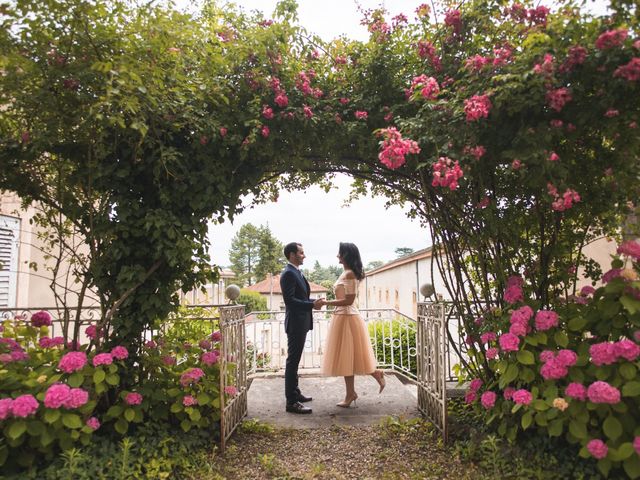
{"x": 133, "y": 398}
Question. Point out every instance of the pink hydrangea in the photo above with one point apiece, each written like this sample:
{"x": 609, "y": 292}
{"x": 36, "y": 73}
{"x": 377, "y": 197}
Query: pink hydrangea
{"x": 492, "y": 353}
{"x": 150, "y": 344}
{"x": 522, "y": 397}
{"x": 470, "y": 396}
{"x": 477, "y": 107}
{"x": 519, "y": 329}
{"x": 603, "y": 353}
{"x": 627, "y": 350}
{"x": 102, "y": 359}
{"x": 56, "y": 395}
{"x": 77, "y": 398}
{"x": 192, "y": 375}
{"x": 488, "y": 399}
{"x": 216, "y": 336}
{"x": 475, "y": 384}
{"x": 209, "y": 358}
{"x": 508, "y": 393}
{"x": 597, "y": 448}
{"x": 509, "y": 342}
{"x": 630, "y": 248}
{"x": 394, "y": 148}
{"x": 91, "y": 331}
{"x": 41, "y": 319}
{"x": 513, "y": 294}
{"x": 133, "y": 398}
{"x": 168, "y": 360}
{"x": 119, "y": 353}
{"x": 46, "y": 342}
{"x": 576, "y": 390}
{"x": 93, "y": 423}
{"x": 602, "y": 392}
{"x": 546, "y": 319}
{"x": 553, "y": 370}
{"x": 636, "y": 445}
{"x": 521, "y": 315}
{"x": 488, "y": 337}
{"x": 567, "y": 358}
{"x": 19, "y": 355}
{"x": 446, "y": 173}
{"x": 72, "y": 362}
{"x": 558, "y": 98}
{"x": 204, "y": 344}
{"x": 629, "y": 71}
{"x": 24, "y": 406}
{"x": 587, "y": 290}
{"x": 189, "y": 401}
{"x": 5, "y": 408}
{"x": 546, "y": 355}
{"x": 611, "y": 38}
{"x": 611, "y": 274}
{"x": 231, "y": 390}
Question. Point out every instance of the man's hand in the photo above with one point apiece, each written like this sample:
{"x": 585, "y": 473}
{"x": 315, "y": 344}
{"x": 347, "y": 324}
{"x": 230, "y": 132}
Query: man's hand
{"x": 318, "y": 303}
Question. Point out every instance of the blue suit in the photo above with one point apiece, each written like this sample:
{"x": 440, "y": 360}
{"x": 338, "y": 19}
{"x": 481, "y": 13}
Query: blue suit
{"x": 298, "y": 321}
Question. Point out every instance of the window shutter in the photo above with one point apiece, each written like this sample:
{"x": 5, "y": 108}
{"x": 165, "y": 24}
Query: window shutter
{"x": 9, "y": 241}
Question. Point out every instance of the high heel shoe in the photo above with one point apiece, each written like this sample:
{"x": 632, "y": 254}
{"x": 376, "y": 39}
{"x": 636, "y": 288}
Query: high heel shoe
{"x": 379, "y": 376}
{"x": 347, "y": 401}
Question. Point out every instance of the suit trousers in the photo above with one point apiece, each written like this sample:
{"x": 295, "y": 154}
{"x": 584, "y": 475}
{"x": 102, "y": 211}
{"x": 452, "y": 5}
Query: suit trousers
{"x": 295, "y": 346}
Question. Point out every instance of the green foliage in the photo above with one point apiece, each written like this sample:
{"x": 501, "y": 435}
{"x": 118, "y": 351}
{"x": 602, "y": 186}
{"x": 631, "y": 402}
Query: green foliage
{"x": 585, "y": 326}
{"x": 189, "y": 324}
{"x": 254, "y": 253}
{"x": 388, "y": 352}
{"x": 252, "y": 301}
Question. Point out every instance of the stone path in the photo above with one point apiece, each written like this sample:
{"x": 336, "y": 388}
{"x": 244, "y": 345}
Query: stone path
{"x": 266, "y": 401}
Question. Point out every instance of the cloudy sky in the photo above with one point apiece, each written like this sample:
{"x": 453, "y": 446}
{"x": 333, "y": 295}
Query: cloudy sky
{"x": 317, "y": 219}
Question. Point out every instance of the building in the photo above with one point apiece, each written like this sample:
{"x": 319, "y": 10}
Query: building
{"x": 209, "y": 294}
{"x": 270, "y": 289}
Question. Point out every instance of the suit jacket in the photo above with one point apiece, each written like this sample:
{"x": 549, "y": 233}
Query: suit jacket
{"x": 299, "y": 309}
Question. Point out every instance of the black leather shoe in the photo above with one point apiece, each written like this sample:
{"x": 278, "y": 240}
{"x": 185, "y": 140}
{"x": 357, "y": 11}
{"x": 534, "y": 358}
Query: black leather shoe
{"x": 297, "y": 408}
{"x": 303, "y": 399}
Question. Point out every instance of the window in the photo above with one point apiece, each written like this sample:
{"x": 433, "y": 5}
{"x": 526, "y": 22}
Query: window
{"x": 9, "y": 241}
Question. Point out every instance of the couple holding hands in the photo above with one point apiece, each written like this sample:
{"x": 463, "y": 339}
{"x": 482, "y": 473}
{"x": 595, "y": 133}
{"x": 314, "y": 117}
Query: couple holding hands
{"x": 348, "y": 350}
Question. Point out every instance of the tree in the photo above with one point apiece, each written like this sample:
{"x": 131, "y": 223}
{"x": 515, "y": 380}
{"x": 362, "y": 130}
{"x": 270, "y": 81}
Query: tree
{"x": 322, "y": 275}
{"x": 374, "y": 264}
{"x": 254, "y": 253}
{"x": 402, "y": 251}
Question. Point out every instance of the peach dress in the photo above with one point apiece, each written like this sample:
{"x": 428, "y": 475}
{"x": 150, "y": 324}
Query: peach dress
{"x": 348, "y": 350}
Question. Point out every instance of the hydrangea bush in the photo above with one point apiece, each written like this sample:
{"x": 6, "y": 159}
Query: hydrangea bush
{"x": 571, "y": 371}
{"x": 53, "y": 397}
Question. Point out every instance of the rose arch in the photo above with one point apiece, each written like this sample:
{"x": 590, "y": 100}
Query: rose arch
{"x": 511, "y": 130}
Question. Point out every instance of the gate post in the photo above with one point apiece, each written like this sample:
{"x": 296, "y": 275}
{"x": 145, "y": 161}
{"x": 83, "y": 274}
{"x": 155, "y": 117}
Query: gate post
{"x": 432, "y": 371}
{"x": 233, "y": 370}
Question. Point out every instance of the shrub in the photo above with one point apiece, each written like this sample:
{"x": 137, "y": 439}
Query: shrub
{"x": 572, "y": 371}
{"x": 252, "y": 301}
{"x": 387, "y": 351}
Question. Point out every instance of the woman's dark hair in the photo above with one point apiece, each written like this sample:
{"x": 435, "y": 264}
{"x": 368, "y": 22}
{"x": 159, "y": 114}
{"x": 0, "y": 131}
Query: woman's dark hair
{"x": 351, "y": 258}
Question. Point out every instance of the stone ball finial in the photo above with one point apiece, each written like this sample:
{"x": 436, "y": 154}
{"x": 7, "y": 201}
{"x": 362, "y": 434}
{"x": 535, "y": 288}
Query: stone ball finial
{"x": 426, "y": 289}
{"x": 232, "y": 292}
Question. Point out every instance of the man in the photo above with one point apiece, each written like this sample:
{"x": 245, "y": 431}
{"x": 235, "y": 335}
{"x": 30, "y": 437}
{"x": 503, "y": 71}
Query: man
{"x": 298, "y": 321}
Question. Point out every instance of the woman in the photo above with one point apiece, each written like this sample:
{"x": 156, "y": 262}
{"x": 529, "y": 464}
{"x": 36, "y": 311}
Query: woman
{"x": 348, "y": 351}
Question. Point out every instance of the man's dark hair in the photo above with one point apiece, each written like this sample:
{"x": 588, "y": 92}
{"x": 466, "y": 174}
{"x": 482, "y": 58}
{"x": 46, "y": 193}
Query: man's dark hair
{"x": 290, "y": 248}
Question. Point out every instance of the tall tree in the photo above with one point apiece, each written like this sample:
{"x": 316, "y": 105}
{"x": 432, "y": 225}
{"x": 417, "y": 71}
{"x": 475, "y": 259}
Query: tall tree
{"x": 374, "y": 264}
{"x": 254, "y": 253}
{"x": 271, "y": 257}
{"x": 402, "y": 251}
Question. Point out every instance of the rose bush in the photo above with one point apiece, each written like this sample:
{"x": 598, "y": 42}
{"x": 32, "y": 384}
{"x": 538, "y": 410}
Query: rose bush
{"x": 572, "y": 372}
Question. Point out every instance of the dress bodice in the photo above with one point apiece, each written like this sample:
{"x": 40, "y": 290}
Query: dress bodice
{"x": 345, "y": 286}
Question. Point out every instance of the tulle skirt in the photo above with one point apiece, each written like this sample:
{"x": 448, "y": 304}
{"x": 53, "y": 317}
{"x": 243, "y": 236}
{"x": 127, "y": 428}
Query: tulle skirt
{"x": 348, "y": 350}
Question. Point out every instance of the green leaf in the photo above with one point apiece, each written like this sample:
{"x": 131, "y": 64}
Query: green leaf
{"x": 176, "y": 407}
{"x": 628, "y": 371}
{"x": 632, "y": 466}
{"x": 71, "y": 420}
{"x": 525, "y": 357}
{"x": 577, "y": 324}
{"x": 185, "y": 425}
{"x": 561, "y": 339}
{"x": 526, "y": 420}
{"x": 623, "y": 452}
{"x": 113, "y": 379}
{"x": 631, "y": 389}
{"x": 630, "y": 304}
{"x": 99, "y": 376}
{"x": 16, "y": 429}
{"x": 540, "y": 405}
{"x": 35, "y": 428}
{"x": 555, "y": 428}
{"x": 195, "y": 415}
{"x": 51, "y": 416}
{"x": 203, "y": 399}
{"x": 75, "y": 380}
{"x": 114, "y": 411}
{"x": 121, "y": 426}
{"x": 129, "y": 414}
{"x": 612, "y": 427}
{"x": 510, "y": 375}
{"x": 578, "y": 429}
{"x": 604, "y": 466}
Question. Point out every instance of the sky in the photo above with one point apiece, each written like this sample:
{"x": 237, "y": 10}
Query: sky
{"x": 314, "y": 218}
